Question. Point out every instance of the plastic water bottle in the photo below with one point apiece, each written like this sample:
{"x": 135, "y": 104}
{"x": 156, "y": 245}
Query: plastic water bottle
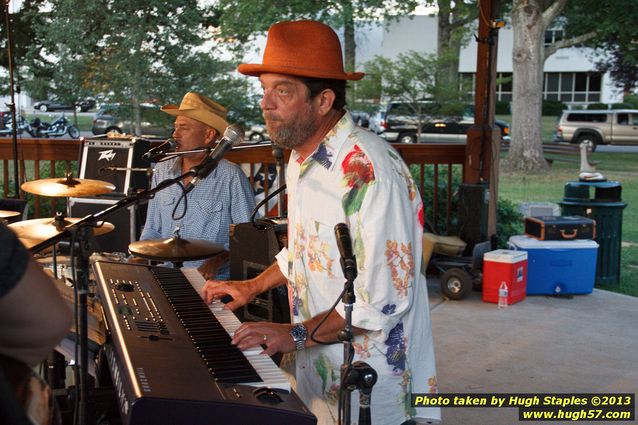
{"x": 502, "y": 295}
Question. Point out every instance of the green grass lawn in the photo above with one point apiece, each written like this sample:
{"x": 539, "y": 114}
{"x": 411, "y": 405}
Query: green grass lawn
{"x": 548, "y": 125}
{"x": 550, "y": 188}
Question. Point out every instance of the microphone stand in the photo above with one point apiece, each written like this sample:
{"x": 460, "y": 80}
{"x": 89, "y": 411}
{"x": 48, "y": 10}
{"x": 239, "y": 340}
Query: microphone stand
{"x": 81, "y": 231}
{"x": 171, "y": 155}
{"x": 278, "y": 153}
{"x": 11, "y": 104}
{"x": 358, "y": 375}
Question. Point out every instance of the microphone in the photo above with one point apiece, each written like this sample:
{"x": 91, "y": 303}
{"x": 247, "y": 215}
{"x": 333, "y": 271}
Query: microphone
{"x": 233, "y": 136}
{"x": 344, "y": 243}
{"x": 168, "y": 146}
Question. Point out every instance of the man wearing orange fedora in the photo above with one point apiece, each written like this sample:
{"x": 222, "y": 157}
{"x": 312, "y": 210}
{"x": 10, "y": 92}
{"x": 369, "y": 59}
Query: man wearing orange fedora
{"x": 340, "y": 173}
{"x": 221, "y": 199}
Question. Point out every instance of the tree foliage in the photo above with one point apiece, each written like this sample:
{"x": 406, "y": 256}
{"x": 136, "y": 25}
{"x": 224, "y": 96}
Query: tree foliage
{"x": 616, "y": 34}
{"x": 241, "y": 21}
{"x": 411, "y": 78}
{"x": 133, "y": 51}
{"x": 22, "y": 24}
{"x": 453, "y": 20}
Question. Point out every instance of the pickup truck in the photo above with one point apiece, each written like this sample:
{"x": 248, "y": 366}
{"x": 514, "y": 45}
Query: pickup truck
{"x": 604, "y": 126}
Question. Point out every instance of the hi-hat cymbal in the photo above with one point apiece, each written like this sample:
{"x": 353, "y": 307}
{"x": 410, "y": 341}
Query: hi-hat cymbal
{"x": 8, "y": 213}
{"x": 32, "y": 232}
{"x": 175, "y": 249}
{"x": 68, "y": 186}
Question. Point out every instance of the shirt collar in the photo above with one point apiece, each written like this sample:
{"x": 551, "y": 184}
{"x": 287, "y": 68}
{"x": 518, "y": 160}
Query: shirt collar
{"x": 329, "y": 148}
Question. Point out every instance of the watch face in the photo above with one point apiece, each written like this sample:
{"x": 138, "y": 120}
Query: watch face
{"x": 298, "y": 333}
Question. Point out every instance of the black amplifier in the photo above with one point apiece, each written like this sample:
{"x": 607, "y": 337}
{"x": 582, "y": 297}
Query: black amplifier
{"x": 253, "y": 247}
{"x": 117, "y": 160}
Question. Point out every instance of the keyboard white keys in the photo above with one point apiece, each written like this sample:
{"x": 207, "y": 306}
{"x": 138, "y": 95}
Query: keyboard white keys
{"x": 268, "y": 371}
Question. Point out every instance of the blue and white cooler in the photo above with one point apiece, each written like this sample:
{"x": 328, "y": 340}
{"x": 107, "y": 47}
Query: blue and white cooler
{"x": 558, "y": 267}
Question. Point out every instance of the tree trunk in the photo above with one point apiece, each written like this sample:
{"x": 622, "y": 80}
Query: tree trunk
{"x": 526, "y": 149}
{"x": 137, "y": 115}
{"x": 350, "y": 46}
{"x": 448, "y": 49}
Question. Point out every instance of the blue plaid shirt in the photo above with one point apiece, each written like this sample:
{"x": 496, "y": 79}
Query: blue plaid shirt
{"x": 221, "y": 199}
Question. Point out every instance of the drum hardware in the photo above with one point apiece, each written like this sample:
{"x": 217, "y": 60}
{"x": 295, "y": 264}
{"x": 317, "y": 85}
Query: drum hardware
{"x": 8, "y": 214}
{"x": 175, "y": 249}
{"x": 35, "y": 231}
{"x": 67, "y": 187}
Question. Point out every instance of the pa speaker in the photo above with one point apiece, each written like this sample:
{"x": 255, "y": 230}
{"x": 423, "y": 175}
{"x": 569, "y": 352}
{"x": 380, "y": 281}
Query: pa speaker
{"x": 118, "y": 161}
{"x": 473, "y": 203}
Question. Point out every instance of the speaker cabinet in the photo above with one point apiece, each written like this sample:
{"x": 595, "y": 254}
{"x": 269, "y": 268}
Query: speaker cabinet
{"x": 473, "y": 203}
{"x": 253, "y": 250}
{"x": 118, "y": 161}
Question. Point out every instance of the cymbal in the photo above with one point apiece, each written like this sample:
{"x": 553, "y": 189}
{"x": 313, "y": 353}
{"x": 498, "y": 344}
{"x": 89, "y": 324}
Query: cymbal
{"x": 175, "y": 249}
{"x": 68, "y": 186}
{"x": 32, "y": 232}
{"x": 8, "y": 213}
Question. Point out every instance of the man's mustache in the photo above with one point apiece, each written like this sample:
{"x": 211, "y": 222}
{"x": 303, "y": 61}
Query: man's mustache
{"x": 271, "y": 117}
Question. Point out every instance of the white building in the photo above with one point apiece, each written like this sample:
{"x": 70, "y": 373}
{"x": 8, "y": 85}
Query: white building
{"x": 570, "y": 74}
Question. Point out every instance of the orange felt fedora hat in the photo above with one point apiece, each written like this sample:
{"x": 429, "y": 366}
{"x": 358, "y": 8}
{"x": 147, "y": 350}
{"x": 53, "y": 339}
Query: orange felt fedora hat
{"x": 202, "y": 109}
{"x": 303, "y": 49}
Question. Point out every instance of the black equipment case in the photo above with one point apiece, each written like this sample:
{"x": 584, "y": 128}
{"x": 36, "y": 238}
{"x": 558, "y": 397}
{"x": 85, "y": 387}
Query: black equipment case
{"x": 557, "y": 228}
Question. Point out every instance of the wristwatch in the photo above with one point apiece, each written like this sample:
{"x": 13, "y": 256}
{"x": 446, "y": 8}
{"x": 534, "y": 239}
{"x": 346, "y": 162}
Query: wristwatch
{"x": 299, "y": 334}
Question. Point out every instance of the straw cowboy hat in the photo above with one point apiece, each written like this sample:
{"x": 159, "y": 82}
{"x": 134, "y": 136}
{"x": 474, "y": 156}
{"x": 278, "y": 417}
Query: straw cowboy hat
{"x": 303, "y": 49}
{"x": 202, "y": 109}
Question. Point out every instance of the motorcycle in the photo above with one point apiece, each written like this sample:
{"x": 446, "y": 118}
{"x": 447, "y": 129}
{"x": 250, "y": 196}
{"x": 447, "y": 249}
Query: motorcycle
{"x": 57, "y": 128}
{"x": 22, "y": 126}
{"x": 38, "y": 128}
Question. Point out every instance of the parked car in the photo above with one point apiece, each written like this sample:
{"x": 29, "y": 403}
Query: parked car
{"x": 82, "y": 105}
{"x": 360, "y": 118}
{"x": 604, "y": 126}
{"x": 256, "y": 133}
{"x": 118, "y": 118}
{"x": 401, "y": 125}
{"x": 377, "y": 122}
{"x": 4, "y": 117}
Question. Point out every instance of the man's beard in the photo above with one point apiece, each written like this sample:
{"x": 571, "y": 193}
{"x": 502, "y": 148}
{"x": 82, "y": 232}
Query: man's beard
{"x": 294, "y": 133}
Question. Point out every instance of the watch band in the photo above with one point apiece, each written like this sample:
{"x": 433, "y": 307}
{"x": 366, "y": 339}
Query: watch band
{"x": 299, "y": 334}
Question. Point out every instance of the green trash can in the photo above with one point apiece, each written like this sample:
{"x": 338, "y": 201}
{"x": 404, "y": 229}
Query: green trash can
{"x": 605, "y": 206}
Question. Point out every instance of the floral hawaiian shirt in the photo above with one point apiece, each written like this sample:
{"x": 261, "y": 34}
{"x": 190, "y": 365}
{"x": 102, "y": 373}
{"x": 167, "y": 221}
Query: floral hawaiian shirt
{"x": 356, "y": 178}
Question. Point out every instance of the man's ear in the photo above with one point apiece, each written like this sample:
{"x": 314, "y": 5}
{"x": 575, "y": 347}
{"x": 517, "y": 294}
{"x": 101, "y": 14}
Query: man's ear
{"x": 325, "y": 99}
{"x": 211, "y": 135}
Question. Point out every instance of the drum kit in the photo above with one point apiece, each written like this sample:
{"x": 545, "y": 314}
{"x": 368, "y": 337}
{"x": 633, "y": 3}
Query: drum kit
{"x": 35, "y": 231}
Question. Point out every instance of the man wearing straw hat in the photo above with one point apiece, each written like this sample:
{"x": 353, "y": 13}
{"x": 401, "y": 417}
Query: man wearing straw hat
{"x": 222, "y": 198}
{"x": 340, "y": 173}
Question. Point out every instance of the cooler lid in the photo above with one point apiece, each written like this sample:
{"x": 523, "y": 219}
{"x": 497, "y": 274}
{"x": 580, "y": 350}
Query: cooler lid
{"x": 505, "y": 256}
{"x": 525, "y": 242}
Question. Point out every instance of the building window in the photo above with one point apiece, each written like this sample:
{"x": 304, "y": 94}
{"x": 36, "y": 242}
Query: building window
{"x": 504, "y": 86}
{"x": 553, "y": 35}
{"x": 567, "y": 87}
{"x": 572, "y": 87}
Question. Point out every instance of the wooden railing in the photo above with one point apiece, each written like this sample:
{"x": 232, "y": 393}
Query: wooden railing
{"x": 34, "y": 153}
